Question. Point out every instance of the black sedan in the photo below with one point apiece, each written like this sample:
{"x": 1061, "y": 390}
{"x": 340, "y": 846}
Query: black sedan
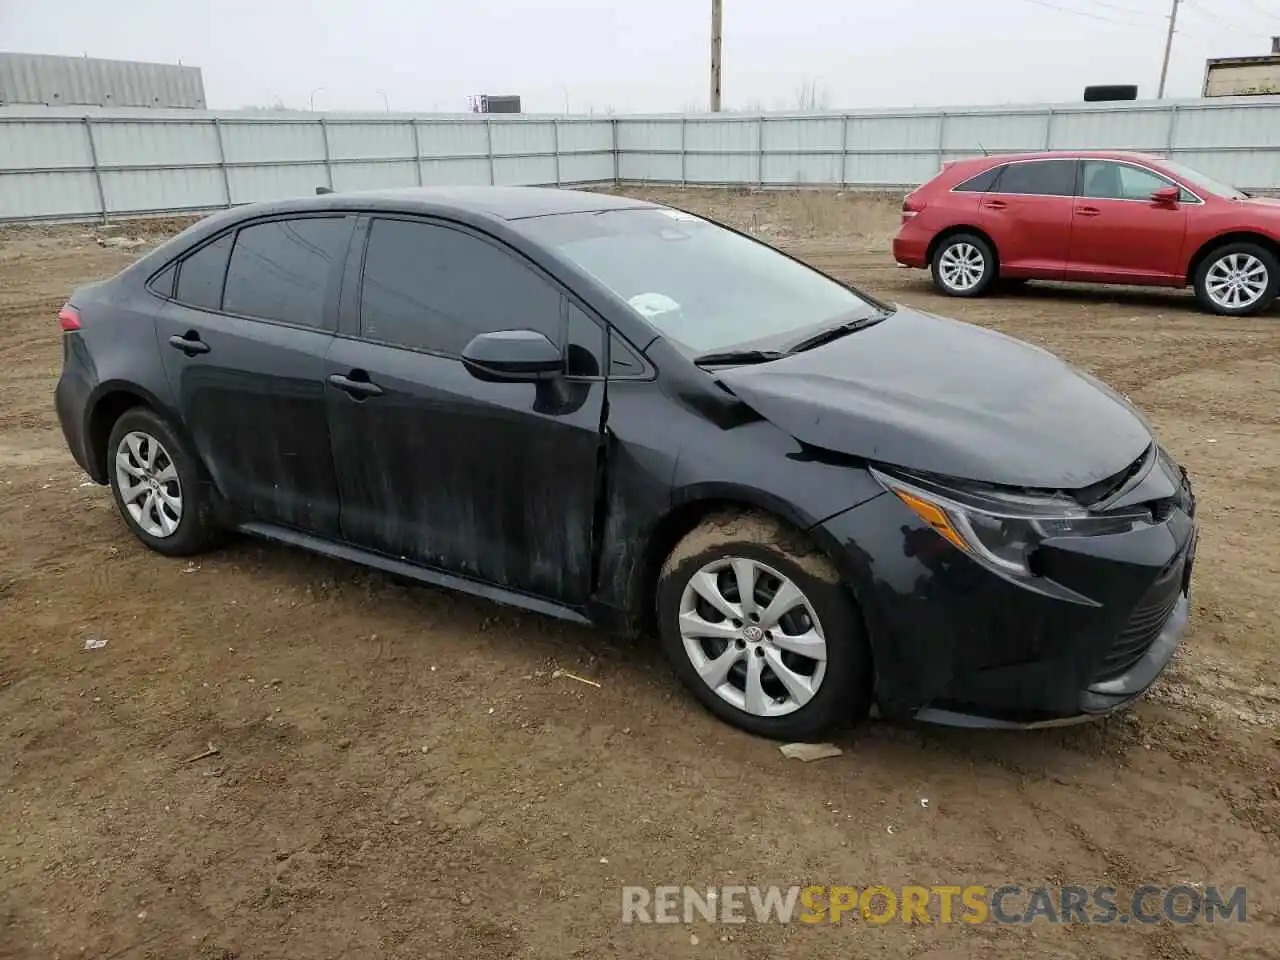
{"x": 616, "y": 412}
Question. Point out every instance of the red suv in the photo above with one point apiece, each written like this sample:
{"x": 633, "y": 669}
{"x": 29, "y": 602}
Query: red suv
{"x": 1096, "y": 217}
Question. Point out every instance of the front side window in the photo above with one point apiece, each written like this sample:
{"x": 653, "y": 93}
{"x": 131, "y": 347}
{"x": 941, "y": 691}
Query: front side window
{"x": 1046, "y": 178}
{"x": 435, "y": 288}
{"x": 1107, "y": 180}
{"x": 200, "y": 275}
{"x": 280, "y": 270}
{"x": 702, "y": 286}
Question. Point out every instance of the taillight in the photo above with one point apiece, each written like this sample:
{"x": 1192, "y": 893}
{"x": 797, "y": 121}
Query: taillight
{"x": 910, "y": 207}
{"x": 69, "y": 318}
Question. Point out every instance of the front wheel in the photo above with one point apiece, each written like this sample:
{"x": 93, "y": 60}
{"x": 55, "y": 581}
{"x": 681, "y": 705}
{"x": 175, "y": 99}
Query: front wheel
{"x": 759, "y": 627}
{"x": 1237, "y": 279}
{"x": 963, "y": 265}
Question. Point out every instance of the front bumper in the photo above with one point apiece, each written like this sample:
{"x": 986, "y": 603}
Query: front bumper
{"x": 954, "y": 643}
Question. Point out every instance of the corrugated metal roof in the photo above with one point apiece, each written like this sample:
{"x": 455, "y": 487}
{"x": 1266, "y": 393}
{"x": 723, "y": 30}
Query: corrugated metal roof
{"x": 38, "y": 78}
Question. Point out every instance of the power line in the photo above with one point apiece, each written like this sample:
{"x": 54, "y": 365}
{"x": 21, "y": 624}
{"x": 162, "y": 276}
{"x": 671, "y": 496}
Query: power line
{"x": 1085, "y": 13}
{"x": 1269, "y": 14}
{"x": 1217, "y": 18}
{"x": 1129, "y": 10}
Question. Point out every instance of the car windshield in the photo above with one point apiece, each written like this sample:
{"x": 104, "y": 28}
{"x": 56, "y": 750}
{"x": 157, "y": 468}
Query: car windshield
{"x": 1206, "y": 184}
{"x": 706, "y": 288}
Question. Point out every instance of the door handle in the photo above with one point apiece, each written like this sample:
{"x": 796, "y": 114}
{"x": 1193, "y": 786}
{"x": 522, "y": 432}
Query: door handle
{"x": 189, "y": 343}
{"x": 358, "y": 388}
{"x": 995, "y": 204}
{"x": 1087, "y": 211}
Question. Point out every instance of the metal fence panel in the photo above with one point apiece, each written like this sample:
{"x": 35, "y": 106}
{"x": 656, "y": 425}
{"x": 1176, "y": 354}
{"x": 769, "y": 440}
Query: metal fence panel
{"x": 656, "y": 167}
{"x": 794, "y": 136}
{"x": 453, "y": 139}
{"x": 576, "y": 135}
{"x": 370, "y": 141}
{"x": 522, "y": 139}
{"x": 251, "y": 184}
{"x": 524, "y": 171}
{"x": 1229, "y": 126}
{"x": 462, "y": 172}
{"x": 31, "y": 196}
{"x": 155, "y": 144}
{"x": 258, "y": 142}
{"x": 891, "y": 133}
{"x": 721, "y": 136}
{"x": 721, "y": 168}
{"x": 39, "y": 146}
{"x": 802, "y": 168}
{"x": 1146, "y": 130}
{"x": 656, "y": 134}
{"x": 995, "y": 131}
{"x": 373, "y": 176}
{"x": 145, "y": 190}
{"x": 586, "y": 168}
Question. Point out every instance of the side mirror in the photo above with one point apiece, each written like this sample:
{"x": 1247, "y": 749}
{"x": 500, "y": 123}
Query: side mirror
{"x": 513, "y": 356}
{"x": 1166, "y": 196}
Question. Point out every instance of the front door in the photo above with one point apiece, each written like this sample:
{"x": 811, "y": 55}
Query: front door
{"x": 243, "y": 343}
{"x": 1118, "y": 233}
{"x": 1027, "y": 213}
{"x": 492, "y": 481}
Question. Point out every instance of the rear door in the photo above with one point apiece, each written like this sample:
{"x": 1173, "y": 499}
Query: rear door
{"x": 243, "y": 341}
{"x": 492, "y": 481}
{"x": 1027, "y": 213}
{"x": 1118, "y": 233}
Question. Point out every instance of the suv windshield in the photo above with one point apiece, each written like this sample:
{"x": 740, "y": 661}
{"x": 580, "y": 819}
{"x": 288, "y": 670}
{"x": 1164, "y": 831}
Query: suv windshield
{"x": 702, "y": 286}
{"x": 1203, "y": 183}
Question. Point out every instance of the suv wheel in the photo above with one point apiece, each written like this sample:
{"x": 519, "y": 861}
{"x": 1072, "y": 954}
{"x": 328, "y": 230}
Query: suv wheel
{"x": 159, "y": 486}
{"x": 759, "y": 627}
{"x": 1237, "y": 279}
{"x": 964, "y": 265}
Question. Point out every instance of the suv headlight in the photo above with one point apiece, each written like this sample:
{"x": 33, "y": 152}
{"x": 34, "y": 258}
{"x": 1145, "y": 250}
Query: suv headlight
{"x": 1002, "y": 529}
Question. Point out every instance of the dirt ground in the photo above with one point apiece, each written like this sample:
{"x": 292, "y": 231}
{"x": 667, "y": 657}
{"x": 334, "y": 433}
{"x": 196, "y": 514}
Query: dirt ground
{"x": 401, "y": 772}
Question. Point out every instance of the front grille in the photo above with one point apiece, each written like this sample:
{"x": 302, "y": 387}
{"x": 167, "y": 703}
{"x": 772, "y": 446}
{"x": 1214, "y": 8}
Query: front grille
{"x": 1144, "y": 626}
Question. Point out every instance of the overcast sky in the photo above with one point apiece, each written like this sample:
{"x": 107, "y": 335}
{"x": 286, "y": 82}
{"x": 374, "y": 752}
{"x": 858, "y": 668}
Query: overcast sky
{"x": 648, "y": 55}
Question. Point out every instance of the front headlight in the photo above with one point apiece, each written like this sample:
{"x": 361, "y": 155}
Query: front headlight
{"x": 1002, "y": 530}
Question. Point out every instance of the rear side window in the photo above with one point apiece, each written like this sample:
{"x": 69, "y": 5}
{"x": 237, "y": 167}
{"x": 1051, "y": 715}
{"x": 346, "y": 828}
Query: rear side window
{"x": 280, "y": 270}
{"x": 1049, "y": 178}
{"x": 981, "y": 183}
{"x": 435, "y": 288}
{"x": 200, "y": 275}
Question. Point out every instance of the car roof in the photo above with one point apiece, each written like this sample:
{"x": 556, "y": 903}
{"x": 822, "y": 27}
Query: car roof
{"x": 501, "y": 203}
{"x": 1073, "y": 155}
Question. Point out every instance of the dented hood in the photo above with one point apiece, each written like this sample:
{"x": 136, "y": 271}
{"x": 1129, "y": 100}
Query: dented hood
{"x": 941, "y": 396}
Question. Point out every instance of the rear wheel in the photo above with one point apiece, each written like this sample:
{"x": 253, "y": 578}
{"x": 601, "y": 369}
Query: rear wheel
{"x": 159, "y": 486}
{"x": 964, "y": 265}
{"x": 758, "y": 626}
{"x": 1237, "y": 279}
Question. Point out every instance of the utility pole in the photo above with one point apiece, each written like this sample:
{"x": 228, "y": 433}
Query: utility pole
{"x": 1168, "y": 48}
{"x": 717, "y": 12}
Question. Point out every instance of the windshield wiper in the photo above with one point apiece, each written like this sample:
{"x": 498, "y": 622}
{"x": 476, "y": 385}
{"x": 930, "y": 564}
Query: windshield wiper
{"x": 836, "y": 332}
{"x": 738, "y": 356}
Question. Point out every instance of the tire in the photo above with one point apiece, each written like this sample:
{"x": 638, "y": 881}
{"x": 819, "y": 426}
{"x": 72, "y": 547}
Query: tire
{"x": 1260, "y": 270}
{"x": 833, "y": 692}
{"x": 948, "y": 272}
{"x": 142, "y": 446}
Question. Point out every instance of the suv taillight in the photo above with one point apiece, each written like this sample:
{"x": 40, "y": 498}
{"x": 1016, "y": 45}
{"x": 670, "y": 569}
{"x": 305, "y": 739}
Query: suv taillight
{"x": 911, "y": 206}
{"x": 69, "y": 318}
